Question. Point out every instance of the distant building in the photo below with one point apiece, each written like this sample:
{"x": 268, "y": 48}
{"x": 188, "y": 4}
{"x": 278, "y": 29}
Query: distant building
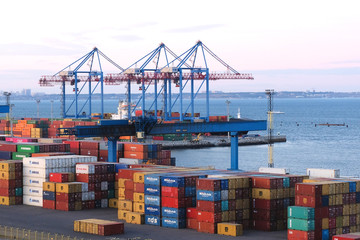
{"x": 26, "y": 92}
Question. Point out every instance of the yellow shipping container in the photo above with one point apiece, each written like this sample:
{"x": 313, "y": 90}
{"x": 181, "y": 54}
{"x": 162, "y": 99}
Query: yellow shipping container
{"x": 135, "y": 218}
{"x": 246, "y": 213}
{"x": 262, "y": 193}
{"x": 332, "y": 200}
{"x": 353, "y": 209}
{"x": 122, "y": 214}
{"x": 230, "y": 229}
{"x": 338, "y": 199}
{"x": 125, "y": 205}
{"x": 358, "y": 219}
{"x": 339, "y": 222}
{"x": 113, "y": 203}
{"x": 232, "y": 194}
{"x": 6, "y": 166}
{"x": 339, "y": 231}
{"x": 7, "y": 175}
{"x": 246, "y": 203}
{"x": 121, "y": 193}
{"x": 77, "y": 225}
{"x": 225, "y": 216}
{"x": 66, "y": 188}
{"x": 139, "y": 207}
{"x": 239, "y": 203}
{"x": 279, "y": 193}
{"x": 7, "y": 200}
{"x": 358, "y": 208}
{"x": 353, "y": 229}
{"x": 49, "y": 186}
{"x": 232, "y": 216}
{"x": 121, "y": 182}
{"x": 232, "y": 183}
{"x": 78, "y": 206}
{"x": 292, "y": 192}
{"x": 286, "y": 192}
{"x": 139, "y": 197}
{"x": 346, "y": 209}
{"x": 325, "y": 223}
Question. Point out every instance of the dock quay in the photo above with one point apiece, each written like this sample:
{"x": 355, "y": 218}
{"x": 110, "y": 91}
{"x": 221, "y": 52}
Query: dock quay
{"x": 217, "y": 141}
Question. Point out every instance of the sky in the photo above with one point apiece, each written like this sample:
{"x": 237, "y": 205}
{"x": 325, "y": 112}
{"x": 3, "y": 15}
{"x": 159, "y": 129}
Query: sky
{"x": 286, "y": 45}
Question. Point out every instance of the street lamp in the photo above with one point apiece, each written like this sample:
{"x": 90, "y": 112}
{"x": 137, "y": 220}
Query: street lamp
{"x": 38, "y": 106}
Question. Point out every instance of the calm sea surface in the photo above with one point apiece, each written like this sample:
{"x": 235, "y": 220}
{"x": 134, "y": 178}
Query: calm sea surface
{"x": 307, "y": 146}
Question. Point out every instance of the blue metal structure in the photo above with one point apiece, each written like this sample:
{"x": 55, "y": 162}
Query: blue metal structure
{"x": 79, "y": 78}
{"x": 113, "y": 130}
{"x": 4, "y": 108}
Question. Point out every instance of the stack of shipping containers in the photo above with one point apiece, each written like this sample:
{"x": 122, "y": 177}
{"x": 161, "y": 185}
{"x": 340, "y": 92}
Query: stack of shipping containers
{"x": 11, "y": 182}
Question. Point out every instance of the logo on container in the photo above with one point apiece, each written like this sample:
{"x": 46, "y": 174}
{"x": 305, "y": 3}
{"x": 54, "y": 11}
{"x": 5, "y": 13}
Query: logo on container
{"x": 205, "y": 194}
{"x": 170, "y": 221}
{"x": 152, "y": 220}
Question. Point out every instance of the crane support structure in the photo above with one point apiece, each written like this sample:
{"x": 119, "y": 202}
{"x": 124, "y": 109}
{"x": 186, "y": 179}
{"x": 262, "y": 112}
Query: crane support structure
{"x": 114, "y": 129}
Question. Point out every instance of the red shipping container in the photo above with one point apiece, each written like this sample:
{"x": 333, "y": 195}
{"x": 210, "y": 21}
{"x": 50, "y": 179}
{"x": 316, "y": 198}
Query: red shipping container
{"x": 49, "y": 204}
{"x": 308, "y": 189}
{"x": 265, "y": 204}
{"x": 19, "y": 200}
{"x": 110, "y": 229}
{"x": 135, "y": 147}
{"x": 172, "y": 202}
{"x": 93, "y": 145}
{"x": 265, "y": 182}
{"x": 207, "y": 227}
{"x": 75, "y": 151}
{"x": 7, "y": 192}
{"x": 210, "y": 217}
{"x": 307, "y": 201}
{"x": 103, "y": 153}
{"x": 129, "y": 194}
{"x": 139, "y": 187}
{"x": 65, "y": 197}
{"x": 59, "y": 177}
{"x": 191, "y": 213}
{"x": 136, "y": 155}
{"x": 127, "y": 173}
{"x": 173, "y": 192}
{"x": 232, "y": 205}
{"x": 347, "y": 237}
{"x": 264, "y": 225}
{"x": 191, "y": 223}
{"x": 208, "y": 184}
{"x": 7, "y": 183}
{"x": 297, "y": 235}
{"x": 129, "y": 185}
{"x": 7, "y": 147}
{"x": 266, "y": 215}
{"x": 89, "y": 152}
{"x": 208, "y": 206}
{"x": 87, "y": 178}
{"x": 65, "y": 206}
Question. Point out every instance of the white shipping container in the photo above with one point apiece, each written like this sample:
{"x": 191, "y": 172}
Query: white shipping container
{"x": 33, "y": 181}
{"x": 224, "y": 195}
{"x": 104, "y": 186}
{"x": 33, "y": 191}
{"x": 38, "y": 172}
{"x": 85, "y": 196}
{"x": 325, "y": 173}
{"x": 91, "y": 196}
{"x": 104, "y": 203}
{"x": 33, "y": 201}
{"x": 38, "y": 162}
{"x": 274, "y": 170}
{"x": 85, "y": 168}
{"x": 130, "y": 160}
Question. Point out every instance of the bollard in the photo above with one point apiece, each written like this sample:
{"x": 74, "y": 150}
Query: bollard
{"x": 5, "y": 232}
{"x": 29, "y": 235}
{"x": 42, "y": 235}
{"x": 17, "y": 233}
{"x": 48, "y": 236}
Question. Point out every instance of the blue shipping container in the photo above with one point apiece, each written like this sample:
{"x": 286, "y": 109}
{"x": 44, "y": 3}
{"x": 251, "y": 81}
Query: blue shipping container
{"x": 152, "y": 190}
{"x": 120, "y": 166}
{"x": 224, "y": 184}
{"x": 152, "y": 220}
{"x": 224, "y": 206}
{"x": 49, "y": 195}
{"x": 173, "y": 223}
{"x": 190, "y": 191}
{"x": 152, "y": 179}
{"x": 152, "y": 200}
{"x": 173, "y": 212}
{"x": 5, "y": 155}
{"x": 208, "y": 195}
{"x": 173, "y": 181}
{"x": 152, "y": 210}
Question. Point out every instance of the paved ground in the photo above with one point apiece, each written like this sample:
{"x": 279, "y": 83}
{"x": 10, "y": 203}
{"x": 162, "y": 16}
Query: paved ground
{"x": 53, "y": 221}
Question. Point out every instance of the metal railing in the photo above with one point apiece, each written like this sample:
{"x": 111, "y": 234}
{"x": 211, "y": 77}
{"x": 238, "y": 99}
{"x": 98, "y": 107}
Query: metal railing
{"x": 26, "y": 234}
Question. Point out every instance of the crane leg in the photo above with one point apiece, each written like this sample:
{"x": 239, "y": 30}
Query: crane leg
{"x": 112, "y": 149}
{"x": 234, "y": 151}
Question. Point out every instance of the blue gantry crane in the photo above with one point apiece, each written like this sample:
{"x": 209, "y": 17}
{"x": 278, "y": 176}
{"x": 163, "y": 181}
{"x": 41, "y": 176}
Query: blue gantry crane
{"x": 180, "y": 71}
{"x": 81, "y": 75}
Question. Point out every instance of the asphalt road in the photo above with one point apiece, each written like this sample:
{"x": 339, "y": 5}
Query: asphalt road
{"x": 53, "y": 221}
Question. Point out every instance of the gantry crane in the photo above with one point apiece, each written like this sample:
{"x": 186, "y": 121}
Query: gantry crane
{"x": 80, "y": 75}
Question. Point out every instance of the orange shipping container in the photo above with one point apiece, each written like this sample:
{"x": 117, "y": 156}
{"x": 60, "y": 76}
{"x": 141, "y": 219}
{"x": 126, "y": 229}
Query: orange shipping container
{"x": 135, "y": 155}
{"x": 132, "y": 147}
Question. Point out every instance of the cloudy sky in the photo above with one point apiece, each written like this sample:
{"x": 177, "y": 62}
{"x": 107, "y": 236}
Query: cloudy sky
{"x": 286, "y": 45}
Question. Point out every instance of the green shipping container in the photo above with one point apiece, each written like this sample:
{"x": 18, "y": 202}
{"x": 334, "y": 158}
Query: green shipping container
{"x": 18, "y": 192}
{"x": 24, "y": 148}
{"x": 20, "y": 156}
{"x": 111, "y": 193}
{"x": 301, "y": 224}
{"x": 301, "y": 212}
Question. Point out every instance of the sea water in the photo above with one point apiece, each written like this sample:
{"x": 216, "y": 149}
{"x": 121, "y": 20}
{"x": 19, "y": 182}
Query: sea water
{"x": 308, "y": 144}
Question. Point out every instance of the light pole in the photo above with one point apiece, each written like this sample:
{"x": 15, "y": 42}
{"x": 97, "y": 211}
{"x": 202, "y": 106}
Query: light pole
{"x": 228, "y": 113}
{"x": 38, "y": 107}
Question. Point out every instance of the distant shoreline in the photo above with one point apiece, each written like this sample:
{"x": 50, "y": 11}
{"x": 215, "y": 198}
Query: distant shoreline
{"x": 213, "y": 95}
